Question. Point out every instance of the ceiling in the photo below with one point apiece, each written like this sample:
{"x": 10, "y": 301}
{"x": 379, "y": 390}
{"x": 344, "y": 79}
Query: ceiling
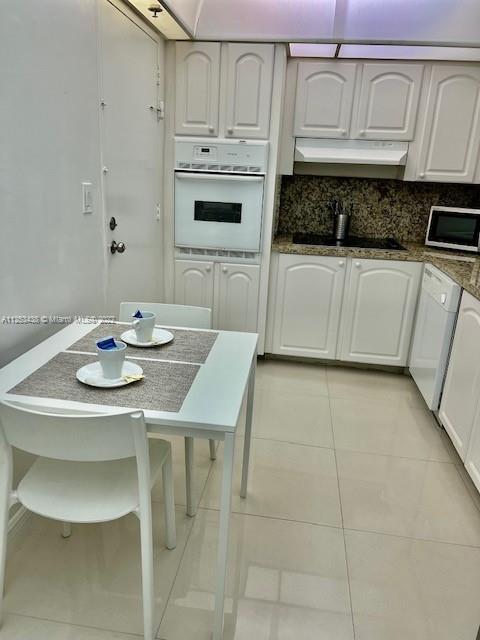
{"x": 422, "y": 22}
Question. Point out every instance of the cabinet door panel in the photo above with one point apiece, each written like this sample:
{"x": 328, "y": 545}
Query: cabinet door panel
{"x": 238, "y": 297}
{"x": 324, "y": 100}
{"x": 388, "y": 102}
{"x": 451, "y": 137}
{"x": 248, "y": 90}
{"x": 307, "y": 309}
{"x": 462, "y": 383}
{"x": 194, "y": 283}
{"x": 197, "y": 88}
{"x": 378, "y": 316}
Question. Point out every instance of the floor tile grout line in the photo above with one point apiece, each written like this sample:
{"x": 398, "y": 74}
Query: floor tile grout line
{"x": 279, "y": 518}
{"x": 341, "y": 515}
{"x": 74, "y": 625}
{"x": 413, "y": 539}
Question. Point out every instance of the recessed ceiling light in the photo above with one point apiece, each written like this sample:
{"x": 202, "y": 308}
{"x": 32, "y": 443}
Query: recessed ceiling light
{"x": 312, "y": 50}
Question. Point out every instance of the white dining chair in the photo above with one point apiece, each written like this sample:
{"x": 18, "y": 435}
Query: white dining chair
{"x": 181, "y": 316}
{"x": 91, "y": 468}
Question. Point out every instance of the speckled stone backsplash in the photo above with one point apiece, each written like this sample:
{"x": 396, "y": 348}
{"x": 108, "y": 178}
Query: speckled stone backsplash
{"x": 379, "y": 208}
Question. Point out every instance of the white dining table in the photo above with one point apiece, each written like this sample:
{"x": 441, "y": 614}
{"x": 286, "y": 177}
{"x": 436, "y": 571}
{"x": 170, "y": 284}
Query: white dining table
{"x": 210, "y": 410}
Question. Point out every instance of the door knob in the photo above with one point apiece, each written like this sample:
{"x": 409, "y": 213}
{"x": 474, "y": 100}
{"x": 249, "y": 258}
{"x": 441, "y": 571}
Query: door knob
{"x": 113, "y": 223}
{"x": 117, "y": 248}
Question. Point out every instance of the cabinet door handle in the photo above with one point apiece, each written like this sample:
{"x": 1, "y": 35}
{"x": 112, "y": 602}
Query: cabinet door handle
{"x": 224, "y": 269}
{"x": 358, "y": 265}
{"x": 344, "y": 132}
{"x": 208, "y": 268}
{"x": 230, "y": 130}
{"x": 341, "y": 263}
{"x": 211, "y": 129}
{"x": 362, "y": 132}
{"x": 422, "y": 175}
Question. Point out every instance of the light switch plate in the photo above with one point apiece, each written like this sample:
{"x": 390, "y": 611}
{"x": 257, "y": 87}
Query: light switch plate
{"x": 87, "y": 197}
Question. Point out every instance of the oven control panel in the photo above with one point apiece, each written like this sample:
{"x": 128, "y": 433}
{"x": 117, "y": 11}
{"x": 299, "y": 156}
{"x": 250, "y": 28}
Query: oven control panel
{"x": 241, "y": 156}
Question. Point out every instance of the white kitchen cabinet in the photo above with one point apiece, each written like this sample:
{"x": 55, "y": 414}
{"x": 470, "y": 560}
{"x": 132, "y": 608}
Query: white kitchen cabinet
{"x": 472, "y": 459}
{"x": 448, "y": 144}
{"x": 197, "y": 88}
{"x": 378, "y": 312}
{"x": 460, "y": 399}
{"x": 236, "y": 306}
{"x": 230, "y": 290}
{"x": 233, "y": 104}
{"x": 324, "y": 99}
{"x": 388, "y": 101}
{"x": 194, "y": 283}
{"x": 248, "y": 88}
{"x": 307, "y": 305}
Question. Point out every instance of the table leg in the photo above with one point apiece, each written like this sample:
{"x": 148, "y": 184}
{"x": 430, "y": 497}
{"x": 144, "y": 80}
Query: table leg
{"x": 189, "y": 476}
{"x": 222, "y": 552}
{"x": 248, "y": 428}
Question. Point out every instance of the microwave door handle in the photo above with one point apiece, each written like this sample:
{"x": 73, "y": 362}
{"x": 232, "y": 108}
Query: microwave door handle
{"x": 181, "y": 175}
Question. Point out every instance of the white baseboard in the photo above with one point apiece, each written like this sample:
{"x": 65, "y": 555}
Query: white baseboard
{"x": 17, "y": 522}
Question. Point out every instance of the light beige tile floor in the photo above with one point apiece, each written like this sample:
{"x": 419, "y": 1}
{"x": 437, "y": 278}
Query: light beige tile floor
{"x": 359, "y": 523}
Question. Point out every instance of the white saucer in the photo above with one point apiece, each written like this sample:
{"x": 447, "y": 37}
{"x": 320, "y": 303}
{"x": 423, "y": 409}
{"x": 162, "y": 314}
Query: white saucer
{"x": 160, "y": 336}
{"x": 92, "y": 375}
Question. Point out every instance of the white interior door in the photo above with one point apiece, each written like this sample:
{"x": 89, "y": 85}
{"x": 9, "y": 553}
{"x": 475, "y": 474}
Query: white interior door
{"x": 132, "y": 138}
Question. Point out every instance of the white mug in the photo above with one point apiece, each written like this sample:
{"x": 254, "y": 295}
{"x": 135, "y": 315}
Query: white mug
{"x": 144, "y": 326}
{"x": 111, "y": 360}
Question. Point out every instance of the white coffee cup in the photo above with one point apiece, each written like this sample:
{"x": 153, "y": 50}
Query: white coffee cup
{"x": 111, "y": 360}
{"x": 144, "y": 326}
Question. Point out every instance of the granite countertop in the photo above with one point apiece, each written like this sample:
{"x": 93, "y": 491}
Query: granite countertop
{"x": 462, "y": 267}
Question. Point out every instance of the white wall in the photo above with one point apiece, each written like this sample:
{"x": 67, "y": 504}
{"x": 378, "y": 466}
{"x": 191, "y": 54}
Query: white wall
{"x": 51, "y": 255}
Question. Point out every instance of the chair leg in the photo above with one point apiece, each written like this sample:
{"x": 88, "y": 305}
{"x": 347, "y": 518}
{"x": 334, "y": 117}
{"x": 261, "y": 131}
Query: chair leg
{"x": 213, "y": 449}
{"x": 5, "y": 492}
{"x": 189, "y": 471}
{"x": 66, "y": 529}
{"x": 169, "y": 500}
{"x": 146, "y": 541}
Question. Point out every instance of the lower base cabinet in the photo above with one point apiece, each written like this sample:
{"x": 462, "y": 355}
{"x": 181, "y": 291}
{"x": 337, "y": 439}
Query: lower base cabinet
{"x": 460, "y": 406}
{"x": 345, "y": 309}
{"x": 307, "y": 306}
{"x": 230, "y": 290}
{"x": 378, "y": 311}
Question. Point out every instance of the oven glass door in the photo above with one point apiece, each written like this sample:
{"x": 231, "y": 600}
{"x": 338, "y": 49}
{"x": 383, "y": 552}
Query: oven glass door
{"x": 460, "y": 229}
{"x": 218, "y": 211}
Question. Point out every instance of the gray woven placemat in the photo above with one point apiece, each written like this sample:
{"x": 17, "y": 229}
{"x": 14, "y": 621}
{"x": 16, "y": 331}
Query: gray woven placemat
{"x": 164, "y": 387}
{"x": 187, "y": 346}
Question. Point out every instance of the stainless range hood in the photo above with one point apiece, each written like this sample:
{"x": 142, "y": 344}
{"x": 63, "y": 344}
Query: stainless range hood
{"x": 359, "y": 152}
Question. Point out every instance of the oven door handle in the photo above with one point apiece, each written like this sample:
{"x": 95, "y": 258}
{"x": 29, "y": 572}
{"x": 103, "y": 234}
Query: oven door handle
{"x": 182, "y": 175}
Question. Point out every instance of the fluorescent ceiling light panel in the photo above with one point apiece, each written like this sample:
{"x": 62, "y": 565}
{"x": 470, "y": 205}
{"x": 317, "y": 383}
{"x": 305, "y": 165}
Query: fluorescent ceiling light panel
{"x": 415, "y": 21}
{"x": 312, "y": 50}
{"x": 264, "y": 20}
{"x": 164, "y": 22}
{"x": 398, "y": 52}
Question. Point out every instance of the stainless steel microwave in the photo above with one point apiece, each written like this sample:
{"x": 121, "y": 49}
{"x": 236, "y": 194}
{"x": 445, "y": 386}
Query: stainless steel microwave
{"x": 453, "y": 228}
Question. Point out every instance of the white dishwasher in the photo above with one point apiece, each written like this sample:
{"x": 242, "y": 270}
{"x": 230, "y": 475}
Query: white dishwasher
{"x": 432, "y": 337}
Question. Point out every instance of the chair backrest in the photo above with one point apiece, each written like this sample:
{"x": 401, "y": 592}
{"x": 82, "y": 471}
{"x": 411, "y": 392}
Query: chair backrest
{"x": 78, "y": 437}
{"x": 179, "y": 315}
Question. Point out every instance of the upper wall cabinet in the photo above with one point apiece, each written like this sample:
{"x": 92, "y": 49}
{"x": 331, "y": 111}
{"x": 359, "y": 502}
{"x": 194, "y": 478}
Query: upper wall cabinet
{"x": 197, "y": 88}
{"x": 248, "y": 90}
{"x": 245, "y": 89}
{"x": 324, "y": 99}
{"x": 388, "y": 101}
{"x": 448, "y": 146}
